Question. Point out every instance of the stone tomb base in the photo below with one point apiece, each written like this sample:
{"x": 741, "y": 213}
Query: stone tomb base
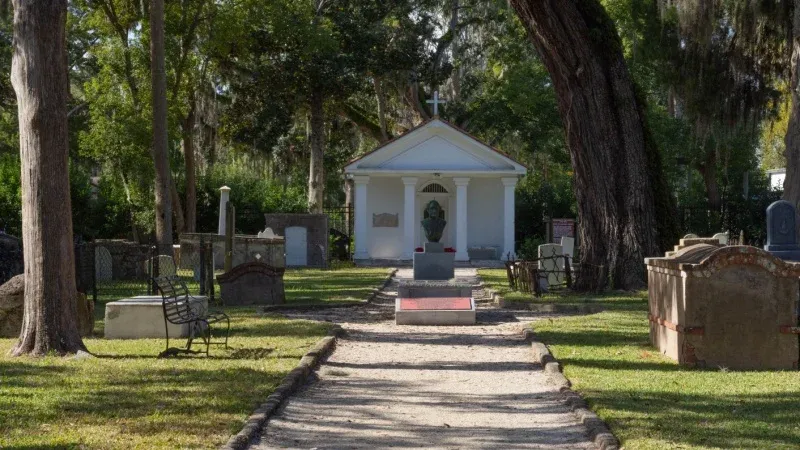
{"x": 143, "y": 317}
{"x": 435, "y": 311}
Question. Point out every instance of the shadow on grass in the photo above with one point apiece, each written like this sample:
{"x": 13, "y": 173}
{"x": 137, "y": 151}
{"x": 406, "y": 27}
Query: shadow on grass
{"x": 710, "y": 421}
{"x": 142, "y": 402}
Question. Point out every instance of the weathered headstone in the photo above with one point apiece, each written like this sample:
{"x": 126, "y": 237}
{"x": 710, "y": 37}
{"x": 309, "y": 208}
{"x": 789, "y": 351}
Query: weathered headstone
{"x": 691, "y": 236}
{"x": 782, "y": 231}
{"x": 723, "y": 238}
{"x": 551, "y": 263}
{"x": 267, "y": 234}
{"x": 568, "y": 246}
{"x": 296, "y": 246}
{"x": 166, "y": 266}
{"x": 12, "y": 299}
{"x": 252, "y": 283}
{"x": 103, "y": 264}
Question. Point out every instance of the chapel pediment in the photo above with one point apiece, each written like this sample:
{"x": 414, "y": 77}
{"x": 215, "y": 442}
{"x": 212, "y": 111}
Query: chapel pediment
{"x": 435, "y": 146}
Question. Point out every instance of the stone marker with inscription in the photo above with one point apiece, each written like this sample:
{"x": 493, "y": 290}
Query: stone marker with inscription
{"x": 782, "y": 231}
{"x": 252, "y": 283}
{"x": 385, "y": 220}
{"x": 421, "y": 302}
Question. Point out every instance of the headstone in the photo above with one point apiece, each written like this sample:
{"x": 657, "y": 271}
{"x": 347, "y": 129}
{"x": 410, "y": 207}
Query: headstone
{"x": 252, "y": 283}
{"x": 267, "y": 234}
{"x": 103, "y": 264}
{"x": 691, "y": 236}
{"x": 562, "y": 228}
{"x": 166, "y": 266}
{"x": 551, "y": 263}
{"x": 296, "y": 246}
{"x": 723, "y": 238}
{"x": 782, "y": 231}
{"x": 12, "y": 298}
{"x": 12, "y": 295}
{"x": 568, "y": 246}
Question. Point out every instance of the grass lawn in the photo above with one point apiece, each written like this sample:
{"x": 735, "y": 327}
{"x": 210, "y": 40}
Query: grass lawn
{"x": 126, "y": 398}
{"x": 652, "y": 403}
{"x": 344, "y": 284}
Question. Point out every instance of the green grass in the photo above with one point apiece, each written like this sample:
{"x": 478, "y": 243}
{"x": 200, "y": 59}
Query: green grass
{"x": 497, "y": 280}
{"x": 652, "y": 403}
{"x": 346, "y": 284}
{"x": 649, "y": 401}
{"x": 126, "y": 398}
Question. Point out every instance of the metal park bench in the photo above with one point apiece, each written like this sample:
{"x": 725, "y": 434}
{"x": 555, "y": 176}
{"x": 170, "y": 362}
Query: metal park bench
{"x": 179, "y": 310}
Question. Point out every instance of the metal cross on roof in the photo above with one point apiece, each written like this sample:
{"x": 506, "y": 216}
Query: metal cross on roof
{"x": 435, "y": 102}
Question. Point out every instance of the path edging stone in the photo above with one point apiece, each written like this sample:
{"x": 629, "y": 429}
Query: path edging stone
{"x": 293, "y": 380}
{"x": 597, "y": 428}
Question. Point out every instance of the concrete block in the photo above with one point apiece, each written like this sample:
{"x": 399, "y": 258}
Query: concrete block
{"x": 143, "y": 317}
{"x": 434, "y": 247}
{"x": 434, "y": 266}
{"x": 435, "y": 316}
{"x": 423, "y": 288}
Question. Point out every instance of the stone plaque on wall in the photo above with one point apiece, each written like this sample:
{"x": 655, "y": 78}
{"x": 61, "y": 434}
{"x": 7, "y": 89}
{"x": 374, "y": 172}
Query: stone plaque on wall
{"x": 385, "y": 220}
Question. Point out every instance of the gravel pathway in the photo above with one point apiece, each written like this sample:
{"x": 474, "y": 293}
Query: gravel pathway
{"x": 425, "y": 386}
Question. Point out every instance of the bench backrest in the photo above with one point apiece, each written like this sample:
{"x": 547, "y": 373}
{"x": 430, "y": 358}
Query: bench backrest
{"x": 175, "y": 299}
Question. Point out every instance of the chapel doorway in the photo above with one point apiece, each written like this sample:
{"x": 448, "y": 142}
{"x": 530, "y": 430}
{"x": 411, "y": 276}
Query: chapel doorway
{"x": 435, "y": 190}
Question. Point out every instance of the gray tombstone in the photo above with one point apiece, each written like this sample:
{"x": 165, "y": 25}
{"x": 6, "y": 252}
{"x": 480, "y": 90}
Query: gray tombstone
{"x": 103, "y": 264}
{"x": 782, "y": 231}
{"x": 166, "y": 266}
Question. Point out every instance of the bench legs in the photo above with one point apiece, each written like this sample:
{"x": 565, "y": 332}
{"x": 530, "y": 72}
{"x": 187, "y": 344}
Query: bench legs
{"x": 197, "y": 328}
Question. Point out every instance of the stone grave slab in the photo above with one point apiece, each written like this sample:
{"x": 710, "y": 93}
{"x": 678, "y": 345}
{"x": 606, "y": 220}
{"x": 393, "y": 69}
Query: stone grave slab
{"x": 433, "y": 288}
{"x": 435, "y": 311}
{"x": 143, "y": 317}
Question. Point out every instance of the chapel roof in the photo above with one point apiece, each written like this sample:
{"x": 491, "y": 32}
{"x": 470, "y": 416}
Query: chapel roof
{"x": 514, "y": 162}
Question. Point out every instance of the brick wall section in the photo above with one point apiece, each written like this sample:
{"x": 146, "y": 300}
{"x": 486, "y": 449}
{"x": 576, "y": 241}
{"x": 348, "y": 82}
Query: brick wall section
{"x": 316, "y": 226}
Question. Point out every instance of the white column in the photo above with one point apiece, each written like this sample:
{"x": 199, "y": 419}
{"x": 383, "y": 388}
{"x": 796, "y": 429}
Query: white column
{"x": 461, "y": 218}
{"x": 224, "y": 196}
{"x": 409, "y": 222}
{"x": 361, "y": 232}
{"x": 509, "y": 184}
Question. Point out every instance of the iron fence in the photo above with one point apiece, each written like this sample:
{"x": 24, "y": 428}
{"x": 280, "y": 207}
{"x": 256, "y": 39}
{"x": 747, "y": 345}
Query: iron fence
{"x": 540, "y": 275}
{"x": 340, "y": 232}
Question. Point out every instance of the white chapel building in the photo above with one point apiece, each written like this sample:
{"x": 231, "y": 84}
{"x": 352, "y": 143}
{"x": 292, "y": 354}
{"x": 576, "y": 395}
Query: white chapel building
{"x": 473, "y": 182}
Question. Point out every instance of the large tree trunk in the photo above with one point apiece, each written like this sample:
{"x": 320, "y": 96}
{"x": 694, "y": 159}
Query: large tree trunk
{"x": 177, "y": 209}
{"x": 623, "y": 200}
{"x": 791, "y": 185}
{"x": 376, "y": 81}
{"x": 191, "y": 179}
{"x": 316, "y": 175}
{"x": 39, "y": 76}
{"x": 160, "y": 139}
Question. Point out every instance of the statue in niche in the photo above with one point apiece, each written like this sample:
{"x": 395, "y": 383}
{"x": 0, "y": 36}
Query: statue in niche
{"x": 433, "y": 223}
